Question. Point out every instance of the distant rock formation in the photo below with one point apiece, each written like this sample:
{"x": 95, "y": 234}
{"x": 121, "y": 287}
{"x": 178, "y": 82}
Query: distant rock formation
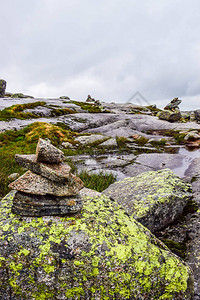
{"x": 2, "y": 88}
{"x": 171, "y": 111}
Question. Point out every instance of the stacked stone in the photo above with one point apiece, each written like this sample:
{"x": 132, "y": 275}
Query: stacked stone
{"x": 48, "y": 188}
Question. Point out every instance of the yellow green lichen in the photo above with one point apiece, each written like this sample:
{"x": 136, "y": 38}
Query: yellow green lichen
{"x": 114, "y": 257}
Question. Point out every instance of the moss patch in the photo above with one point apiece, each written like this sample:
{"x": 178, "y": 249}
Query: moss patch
{"x": 16, "y": 111}
{"x": 90, "y": 107}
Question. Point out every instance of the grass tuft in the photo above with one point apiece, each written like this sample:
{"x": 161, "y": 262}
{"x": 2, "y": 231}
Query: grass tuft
{"x": 98, "y": 182}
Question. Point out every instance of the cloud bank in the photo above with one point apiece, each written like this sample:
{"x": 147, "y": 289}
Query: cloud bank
{"x": 109, "y": 49}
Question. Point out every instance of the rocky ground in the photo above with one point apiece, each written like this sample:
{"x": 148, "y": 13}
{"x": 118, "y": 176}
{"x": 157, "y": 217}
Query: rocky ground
{"x": 128, "y": 140}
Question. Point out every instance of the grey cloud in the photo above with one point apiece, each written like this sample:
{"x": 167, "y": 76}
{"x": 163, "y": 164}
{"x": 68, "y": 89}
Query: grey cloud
{"x": 107, "y": 48}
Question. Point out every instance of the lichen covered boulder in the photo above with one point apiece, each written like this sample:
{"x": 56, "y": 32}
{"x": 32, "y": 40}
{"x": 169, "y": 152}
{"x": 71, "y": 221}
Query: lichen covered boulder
{"x": 154, "y": 198}
{"x": 169, "y": 115}
{"x": 101, "y": 253}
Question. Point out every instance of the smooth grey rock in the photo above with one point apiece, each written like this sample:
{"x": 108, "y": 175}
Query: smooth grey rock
{"x": 136, "y": 169}
{"x": 40, "y": 111}
{"x": 109, "y": 143}
{"x": 154, "y": 198}
{"x": 159, "y": 161}
{"x": 89, "y": 139}
{"x": 194, "y": 169}
{"x": 25, "y": 204}
{"x": 46, "y": 152}
{"x": 89, "y": 257}
{"x": 55, "y": 172}
{"x": 37, "y": 185}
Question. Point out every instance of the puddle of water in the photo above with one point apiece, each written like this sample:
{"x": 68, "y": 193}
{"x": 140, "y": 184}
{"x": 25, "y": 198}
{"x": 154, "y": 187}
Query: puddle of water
{"x": 101, "y": 163}
{"x": 188, "y": 156}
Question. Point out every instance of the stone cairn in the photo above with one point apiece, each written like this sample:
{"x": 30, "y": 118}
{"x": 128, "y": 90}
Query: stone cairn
{"x": 173, "y": 105}
{"x": 48, "y": 188}
{"x": 2, "y": 88}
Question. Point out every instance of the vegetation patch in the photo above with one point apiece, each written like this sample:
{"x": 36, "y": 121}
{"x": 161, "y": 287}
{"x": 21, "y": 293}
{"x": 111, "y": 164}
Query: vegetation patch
{"x": 55, "y": 112}
{"x": 90, "y": 107}
{"x": 16, "y": 111}
{"x": 24, "y": 141}
{"x": 162, "y": 142}
{"x": 98, "y": 182}
{"x": 141, "y": 141}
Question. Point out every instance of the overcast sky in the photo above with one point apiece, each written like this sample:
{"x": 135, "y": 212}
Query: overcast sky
{"x": 109, "y": 49}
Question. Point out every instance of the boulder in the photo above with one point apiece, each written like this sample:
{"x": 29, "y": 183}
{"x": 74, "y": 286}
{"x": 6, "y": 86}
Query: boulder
{"x": 154, "y": 198}
{"x": 2, "y": 88}
{"x": 169, "y": 115}
{"x": 100, "y": 254}
{"x": 46, "y": 152}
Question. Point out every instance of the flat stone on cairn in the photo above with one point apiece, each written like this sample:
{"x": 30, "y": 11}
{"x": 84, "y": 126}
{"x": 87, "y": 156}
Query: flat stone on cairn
{"x": 47, "y": 188}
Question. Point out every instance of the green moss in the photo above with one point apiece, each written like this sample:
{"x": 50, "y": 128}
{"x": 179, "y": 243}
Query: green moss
{"x": 141, "y": 141}
{"x": 61, "y": 111}
{"x": 90, "y": 107}
{"x": 162, "y": 142}
{"x": 16, "y": 111}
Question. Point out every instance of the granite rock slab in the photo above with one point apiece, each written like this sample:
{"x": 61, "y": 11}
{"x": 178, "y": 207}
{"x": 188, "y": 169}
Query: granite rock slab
{"x": 89, "y": 139}
{"x": 46, "y": 152}
{"x": 55, "y": 172}
{"x": 36, "y": 184}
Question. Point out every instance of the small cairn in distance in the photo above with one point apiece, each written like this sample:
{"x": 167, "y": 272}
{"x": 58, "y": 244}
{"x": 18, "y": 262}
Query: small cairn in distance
{"x": 48, "y": 188}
